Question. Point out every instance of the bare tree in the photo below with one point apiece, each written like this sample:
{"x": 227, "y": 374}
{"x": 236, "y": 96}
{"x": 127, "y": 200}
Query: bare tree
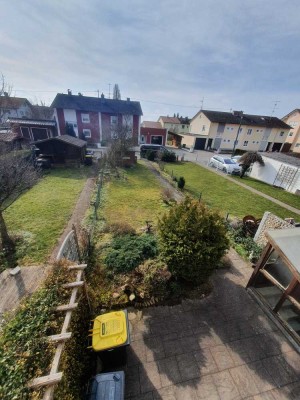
{"x": 116, "y": 92}
{"x": 121, "y": 141}
{"x": 248, "y": 158}
{"x": 5, "y": 93}
{"x": 17, "y": 174}
{"x": 40, "y": 110}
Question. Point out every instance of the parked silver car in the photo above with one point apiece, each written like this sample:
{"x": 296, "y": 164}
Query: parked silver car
{"x": 225, "y": 164}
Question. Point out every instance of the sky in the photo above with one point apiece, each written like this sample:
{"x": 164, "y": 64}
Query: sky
{"x": 172, "y": 56}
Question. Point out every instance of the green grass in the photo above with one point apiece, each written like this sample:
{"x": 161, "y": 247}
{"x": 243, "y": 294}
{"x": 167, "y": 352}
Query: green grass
{"x": 279, "y": 194}
{"x": 133, "y": 200}
{"x": 42, "y": 212}
{"x": 224, "y": 195}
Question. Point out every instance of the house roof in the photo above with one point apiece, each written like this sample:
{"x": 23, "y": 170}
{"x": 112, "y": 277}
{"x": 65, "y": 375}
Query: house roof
{"x": 74, "y": 141}
{"x": 27, "y": 121}
{"x": 95, "y": 104}
{"x": 248, "y": 119}
{"x": 151, "y": 124}
{"x": 284, "y": 158}
{"x": 290, "y": 113}
{"x": 13, "y": 102}
{"x": 170, "y": 120}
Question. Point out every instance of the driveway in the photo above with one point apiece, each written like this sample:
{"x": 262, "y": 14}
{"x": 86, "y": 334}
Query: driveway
{"x": 222, "y": 347}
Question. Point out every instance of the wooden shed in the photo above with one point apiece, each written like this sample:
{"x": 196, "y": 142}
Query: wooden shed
{"x": 64, "y": 149}
{"x": 275, "y": 281}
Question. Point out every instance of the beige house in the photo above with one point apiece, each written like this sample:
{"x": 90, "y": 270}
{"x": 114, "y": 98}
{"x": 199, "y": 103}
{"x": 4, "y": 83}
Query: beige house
{"x": 224, "y": 131}
{"x": 293, "y": 138}
{"x": 173, "y": 124}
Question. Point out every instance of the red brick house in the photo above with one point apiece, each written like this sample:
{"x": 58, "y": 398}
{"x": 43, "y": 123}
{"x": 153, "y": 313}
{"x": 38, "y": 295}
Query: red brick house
{"x": 95, "y": 119}
{"x": 153, "y": 133}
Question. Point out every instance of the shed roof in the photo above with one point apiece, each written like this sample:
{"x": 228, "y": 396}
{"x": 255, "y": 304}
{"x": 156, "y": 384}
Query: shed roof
{"x": 95, "y": 104}
{"x": 27, "y": 121}
{"x": 248, "y": 119}
{"x": 74, "y": 141}
{"x": 282, "y": 157}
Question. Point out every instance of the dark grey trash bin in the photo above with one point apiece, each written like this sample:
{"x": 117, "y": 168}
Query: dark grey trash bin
{"x": 108, "y": 386}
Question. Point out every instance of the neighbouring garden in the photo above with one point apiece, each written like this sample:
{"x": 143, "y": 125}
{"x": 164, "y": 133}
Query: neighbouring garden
{"x": 37, "y": 219}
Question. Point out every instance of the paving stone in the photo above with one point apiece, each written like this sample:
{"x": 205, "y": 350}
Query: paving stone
{"x": 262, "y": 378}
{"x": 132, "y": 381}
{"x": 244, "y": 381}
{"x": 149, "y": 377}
{"x": 206, "y": 389}
{"x": 264, "y": 396}
{"x": 222, "y": 357}
{"x": 145, "y": 396}
{"x": 154, "y": 349}
{"x": 185, "y": 391}
{"x": 169, "y": 371}
{"x": 225, "y": 385}
{"x": 167, "y": 393}
{"x": 279, "y": 370}
{"x": 205, "y": 361}
{"x": 173, "y": 348}
{"x": 188, "y": 366}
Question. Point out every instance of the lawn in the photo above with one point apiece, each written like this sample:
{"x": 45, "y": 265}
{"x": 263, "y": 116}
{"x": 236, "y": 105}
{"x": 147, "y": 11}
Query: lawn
{"x": 224, "y": 195}
{"x": 279, "y": 194}
{"x": 133, "y": 200}
{"x": 42, "y": 213}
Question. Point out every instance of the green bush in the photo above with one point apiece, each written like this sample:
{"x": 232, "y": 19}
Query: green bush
{"x": 244, "y": 245}
{"x": 192, "y": 240}
{"x": 168, "y": 156}
{"x": 181, "y": 182}
{"x": 128, "y": 251}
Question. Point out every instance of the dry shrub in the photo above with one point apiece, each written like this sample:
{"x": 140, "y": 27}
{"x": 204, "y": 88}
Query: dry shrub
{"x": 121, "y": 228}
{"x": 167, "y": 194}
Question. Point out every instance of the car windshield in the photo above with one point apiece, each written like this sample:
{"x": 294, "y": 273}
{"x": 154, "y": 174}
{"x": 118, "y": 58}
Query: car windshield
{"x": 229, "y": 161}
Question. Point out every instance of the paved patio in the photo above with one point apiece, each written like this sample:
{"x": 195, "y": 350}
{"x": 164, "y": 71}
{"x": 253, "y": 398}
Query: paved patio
{"x": 220, "y": 348}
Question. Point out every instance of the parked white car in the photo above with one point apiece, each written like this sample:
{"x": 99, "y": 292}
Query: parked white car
{"x": 225, "y": 164}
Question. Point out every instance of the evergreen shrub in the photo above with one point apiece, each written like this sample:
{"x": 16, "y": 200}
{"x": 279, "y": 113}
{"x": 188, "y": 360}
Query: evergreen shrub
{"x": 192, "y": 240}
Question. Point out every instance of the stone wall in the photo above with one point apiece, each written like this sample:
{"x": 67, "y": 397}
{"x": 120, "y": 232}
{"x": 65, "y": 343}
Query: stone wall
{"x": 69, "y": 248}
{"x": 268, "y": 222}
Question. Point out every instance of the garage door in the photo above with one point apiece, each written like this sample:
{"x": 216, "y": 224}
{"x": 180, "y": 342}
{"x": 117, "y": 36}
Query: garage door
{"x": 156, "y": 140}
{"x": 200, "y": 144}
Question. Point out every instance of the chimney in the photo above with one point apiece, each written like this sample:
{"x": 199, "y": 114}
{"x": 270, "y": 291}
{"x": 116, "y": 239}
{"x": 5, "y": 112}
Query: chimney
{"x": 80, "y": 94}
{"x": 128, "y": 99}
{"x": 102, "y": 96}
{"x": 237, "y": 113}
{"x": 69, "y": 92}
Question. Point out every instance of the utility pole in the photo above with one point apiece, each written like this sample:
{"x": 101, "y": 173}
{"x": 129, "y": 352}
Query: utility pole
{"x": 202, "y": 103}
{"x": 275, "y": 105}
{"x": 237, "y": 114}
{"x": 97, "y": 92}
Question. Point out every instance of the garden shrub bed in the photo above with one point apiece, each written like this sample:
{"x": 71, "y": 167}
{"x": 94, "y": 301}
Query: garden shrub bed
{"x": 25, "y": 352}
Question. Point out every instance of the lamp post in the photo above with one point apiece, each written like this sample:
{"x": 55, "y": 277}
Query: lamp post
{"x": 237, "y": 114}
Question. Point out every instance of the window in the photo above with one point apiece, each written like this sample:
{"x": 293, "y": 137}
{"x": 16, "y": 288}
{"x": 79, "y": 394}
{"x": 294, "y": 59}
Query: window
{"x": 228, "y": 140}
{"x": 113, "y": 120}
{"x": 182, "y": 126}
{"x": 297, "y": 145}
{"x": 245, "y": 144}
{"x": 281, "y": 133}
{"x": 231, "y": 129}
{"x": 203, "y": 128}
{"x": 249, "y": 132}
{"x": 291, "y": 134}
{"x": 87, "y": 133}
{"x": 142, "y": 139}
{"x": 85, "y": 118}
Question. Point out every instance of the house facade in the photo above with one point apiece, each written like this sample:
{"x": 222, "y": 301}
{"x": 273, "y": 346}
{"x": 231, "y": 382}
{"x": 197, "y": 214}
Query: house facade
{"x": 225, "y": 131}
{"x": 96, "y": 120}
{"x": 14, "y": 107}
{"x": 293, "y": 138}
{"x": 153, "y": 133}
{"x": 33, "y": 129}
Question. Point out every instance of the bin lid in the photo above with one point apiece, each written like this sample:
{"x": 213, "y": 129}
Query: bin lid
{"x": 108, "y": 386}
{"x": 110, "y": 330}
